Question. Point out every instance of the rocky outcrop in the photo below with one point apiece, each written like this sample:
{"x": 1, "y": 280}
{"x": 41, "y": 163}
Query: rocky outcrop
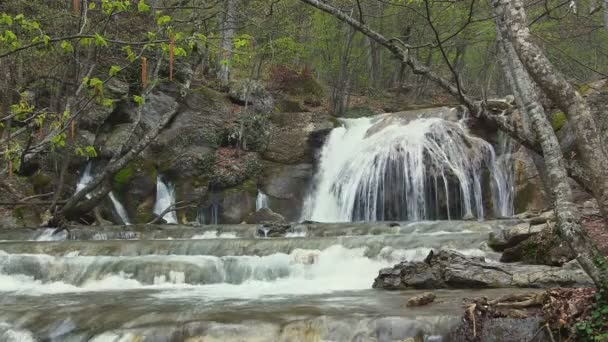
{"x": 450, "y": 269}
{"x": 420, "y": 300}
{"x": 529, "y": 194}
{"x": 289, "y": 140}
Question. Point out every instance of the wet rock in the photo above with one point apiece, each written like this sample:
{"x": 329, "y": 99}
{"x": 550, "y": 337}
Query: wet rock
{"x": 273, "y": 230}
{"x": 253, "y": 94}
{"x": 420, "y": 300}
{"x": 264, "y": 215}
{"x": 450, "y": 269}
{"x": 450, "y": 114}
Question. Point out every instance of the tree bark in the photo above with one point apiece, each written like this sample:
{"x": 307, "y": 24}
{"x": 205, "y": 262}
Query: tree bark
{"x": 227, "y": 27}
{"x": 566, "y": 213}
{"x": 512, "y": 22}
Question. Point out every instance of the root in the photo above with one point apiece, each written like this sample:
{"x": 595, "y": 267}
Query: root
{"x": 471, "y": 311}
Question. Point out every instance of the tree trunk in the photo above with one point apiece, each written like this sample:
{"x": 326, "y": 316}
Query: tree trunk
{"x": 513, "y": 25}
{"x": 566, "y": 213}
{"x": 227, "y": 27}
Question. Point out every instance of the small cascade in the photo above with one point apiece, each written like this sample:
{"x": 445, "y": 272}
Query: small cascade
{"x": 504, "y": 168}
{"x": 120, "y": 209}
{"x": 165, "y": 198}
{"x": 86, "y": 178}
{"x": 261, "y": 201}
{"x": 380, "y": 169}
{"x": 209, "y": 215}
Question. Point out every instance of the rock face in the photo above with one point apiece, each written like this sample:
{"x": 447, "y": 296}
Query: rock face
{"x": 289, "y": 141}
{"x": 450, "y": 269}
{"x": 286, "y": 187}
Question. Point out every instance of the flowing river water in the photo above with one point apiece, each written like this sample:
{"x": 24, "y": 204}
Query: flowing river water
{"x": 224, "y": 283}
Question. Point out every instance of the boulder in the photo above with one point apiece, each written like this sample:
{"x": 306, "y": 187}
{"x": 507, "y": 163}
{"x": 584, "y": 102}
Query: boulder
{"x": 450, "y": 269}
{"x": 264, "y": 215}
{"x": 420, "y": 300}
{"x": 543, "y": 248}
{"x": 290, "y": 134}
{"x": 503, "y": 238}
{"x": 252, "y": 93}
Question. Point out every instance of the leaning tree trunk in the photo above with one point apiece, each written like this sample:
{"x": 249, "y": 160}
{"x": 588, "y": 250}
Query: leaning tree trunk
{"x": 513, "y": 25}
{"x": 566, "y": 213}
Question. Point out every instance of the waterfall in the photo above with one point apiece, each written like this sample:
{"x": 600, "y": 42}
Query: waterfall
{"x": 375, "y": 169}
{"x": 504, "y": 168}
{"x": 86, "y": 178}
{"x": 120, "y": 209}
{"x": 165, "y": 198}
{"x": 212, "y": 213}
{"x": 261, "y": 201}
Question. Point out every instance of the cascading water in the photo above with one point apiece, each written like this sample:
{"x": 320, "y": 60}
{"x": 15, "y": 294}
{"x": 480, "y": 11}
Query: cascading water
{"x": 120, "y": 210}
{"x": 261, "y": 200}
{"x": 375, "y": 169}
{"x": 504, "y": 162}
{"x": 165, "y": 198}
{"x": 86, "y": 178}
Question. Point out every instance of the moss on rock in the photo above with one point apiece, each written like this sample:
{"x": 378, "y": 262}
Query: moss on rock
{"x": 558, "y": 120}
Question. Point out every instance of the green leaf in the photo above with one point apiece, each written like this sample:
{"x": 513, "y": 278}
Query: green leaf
{"x": 67, "y": 46}
{"x": 114, "y": 69}
{"x": 163, "y": 20}
{"x": 100, "y": 41}
{"x": 6, "y": 20}
{"x": 108, "y": 103}
{"x": 86, "y": 41}
{"x": 178, "y": 51}
{"x": 92, "y": 5}
{"x": 90, "y": 151}
{"x": 142, "y": 7}
{"x": 138, "y": 99}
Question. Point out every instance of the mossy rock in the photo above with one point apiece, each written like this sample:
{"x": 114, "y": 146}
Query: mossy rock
{"x": 558, "y": 120}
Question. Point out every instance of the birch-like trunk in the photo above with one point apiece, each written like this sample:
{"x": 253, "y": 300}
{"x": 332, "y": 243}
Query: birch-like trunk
{"x": 566, "y": 213}
{"x": 512, "y": 22}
